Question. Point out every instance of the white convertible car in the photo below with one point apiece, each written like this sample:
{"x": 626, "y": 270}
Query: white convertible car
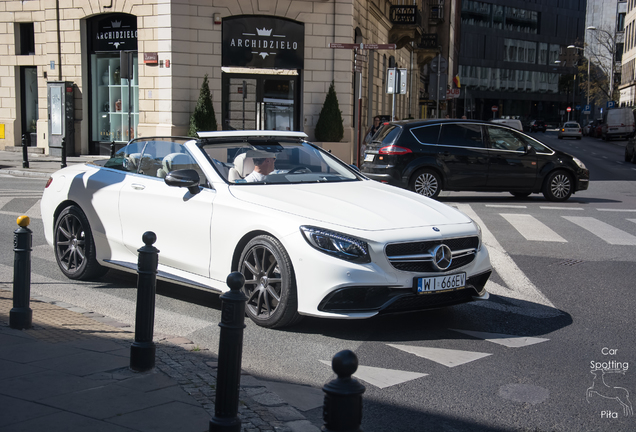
{"x": 313, "y": 237}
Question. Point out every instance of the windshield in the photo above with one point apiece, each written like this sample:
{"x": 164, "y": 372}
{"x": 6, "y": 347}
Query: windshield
{"x": 267, "y": 162}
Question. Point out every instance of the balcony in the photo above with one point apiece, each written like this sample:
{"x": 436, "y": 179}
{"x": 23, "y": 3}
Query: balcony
{"x": 407, "y": 24}
{"x": 436, "y": 11}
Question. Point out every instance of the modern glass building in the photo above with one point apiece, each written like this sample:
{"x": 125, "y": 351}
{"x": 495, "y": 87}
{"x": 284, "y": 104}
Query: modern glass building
{"x": 514, "y": 60}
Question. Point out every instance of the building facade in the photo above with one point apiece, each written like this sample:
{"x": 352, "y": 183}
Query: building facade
{"x": 98, "y": 72}
{"x": 514, "y": 57}
{"x": 628, "y": 74}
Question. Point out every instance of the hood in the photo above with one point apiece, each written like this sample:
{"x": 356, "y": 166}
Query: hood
{"x": 364, "y": 205}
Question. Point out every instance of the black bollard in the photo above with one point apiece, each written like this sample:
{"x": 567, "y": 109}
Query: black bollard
{"x": 25, "y": 151}
{"x": 228, "y": 376}
{"x": 21, "y": 316}
{"x": 63, "y": 164}
{"x": 142, "y": 350}
{"x": 342, "y": 410}
{"x": 112, "y": 149}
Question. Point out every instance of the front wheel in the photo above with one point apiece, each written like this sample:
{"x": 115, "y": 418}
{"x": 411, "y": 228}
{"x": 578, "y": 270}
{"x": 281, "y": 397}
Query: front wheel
{"x": 74, "y": 246}
{"x": 426, "y": 182}
{"x": 270, "y": 285}
{"x": 558, "y": 186}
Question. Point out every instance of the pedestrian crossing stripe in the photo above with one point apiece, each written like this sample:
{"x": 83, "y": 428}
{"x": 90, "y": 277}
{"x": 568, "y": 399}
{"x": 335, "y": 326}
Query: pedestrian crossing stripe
{"x": 604, "y": 231}
{"x": 521, "y": 295}
{"x": 532, "y": 229}
{"x": 443, "y": 356}
{"x": 382, "y": 378}
{"x": 506, "y": 340}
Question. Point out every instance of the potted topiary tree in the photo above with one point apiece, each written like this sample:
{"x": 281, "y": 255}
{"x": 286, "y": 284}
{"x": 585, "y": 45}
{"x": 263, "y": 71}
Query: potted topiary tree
{"x": 329, "y": 126}
{"x": 203, "y": 118}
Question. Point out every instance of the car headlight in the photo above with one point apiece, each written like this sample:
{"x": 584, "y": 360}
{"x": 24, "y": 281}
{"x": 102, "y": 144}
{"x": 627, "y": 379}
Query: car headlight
{"x": 579, "y": 163}
{"x": 337, "y": 244}
{"x": 478, "y": 228}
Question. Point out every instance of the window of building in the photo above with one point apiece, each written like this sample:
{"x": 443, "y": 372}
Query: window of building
{"x": 24, "y": 39}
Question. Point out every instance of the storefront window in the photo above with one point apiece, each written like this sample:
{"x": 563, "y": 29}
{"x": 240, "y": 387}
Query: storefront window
{"x": 115, "y": 99}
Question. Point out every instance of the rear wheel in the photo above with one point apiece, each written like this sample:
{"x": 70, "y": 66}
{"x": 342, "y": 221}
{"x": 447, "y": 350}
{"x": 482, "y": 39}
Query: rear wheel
{"x": 270, "y": 285}
{"x": 426, "y": 182}
{"x": 74, "y": 246}
{"x": 558, "y": 186}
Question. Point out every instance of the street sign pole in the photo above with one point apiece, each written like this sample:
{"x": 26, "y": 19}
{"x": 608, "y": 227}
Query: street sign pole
{"x": 439, "y": 70}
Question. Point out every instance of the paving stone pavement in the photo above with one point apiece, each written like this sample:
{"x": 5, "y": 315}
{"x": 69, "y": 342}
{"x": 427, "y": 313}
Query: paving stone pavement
{"x": 178, "y": 361}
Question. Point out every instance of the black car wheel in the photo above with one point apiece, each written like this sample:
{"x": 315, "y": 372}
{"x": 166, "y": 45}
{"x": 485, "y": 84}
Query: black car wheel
{"x": 558, "y": 186}
{"x": 270, "y": 285}
{"x": 426, "y": 182}
{"x": 74, "y": 246}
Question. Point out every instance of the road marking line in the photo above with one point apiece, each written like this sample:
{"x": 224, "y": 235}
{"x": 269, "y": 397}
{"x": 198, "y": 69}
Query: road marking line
{"x": 34, "y": 211}
{"x": 605, "y": 232}
{"x": 506, "y": 206}
{"x": 509, "y": 341}
{"x": 521, "y": 295}
{"x": 616, "y": 210}
{"x": 532, "y": 229}
{"x": 560, "y": 208}
{"x": 446, "y": 357}
{"x": 381, "y": 377}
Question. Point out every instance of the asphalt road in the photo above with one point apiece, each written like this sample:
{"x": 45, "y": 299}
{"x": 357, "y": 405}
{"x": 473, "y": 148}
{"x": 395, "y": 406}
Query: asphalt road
{"x": 563, "y": 301}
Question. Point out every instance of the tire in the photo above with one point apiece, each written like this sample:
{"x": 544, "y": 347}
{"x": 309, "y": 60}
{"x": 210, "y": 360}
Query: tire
{"x": 578, "y": 138}
{"x": 74, "y": 246}
{"x": 426, "y": 182}
{"x": 270, "y": 284}
{"x": 520, "y": 195}
{"x": 558, "y": 186}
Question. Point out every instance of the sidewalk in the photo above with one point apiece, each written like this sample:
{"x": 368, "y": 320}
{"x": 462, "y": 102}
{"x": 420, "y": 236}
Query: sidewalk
{"x": 39, "y": 165}
{"x": 70, "y": 372}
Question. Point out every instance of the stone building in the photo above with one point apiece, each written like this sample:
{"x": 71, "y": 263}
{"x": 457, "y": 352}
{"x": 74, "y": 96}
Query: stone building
{"x": 98, "y": 72}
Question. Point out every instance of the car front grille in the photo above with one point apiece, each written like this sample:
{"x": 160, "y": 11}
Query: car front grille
{"x": 417, "y": 256}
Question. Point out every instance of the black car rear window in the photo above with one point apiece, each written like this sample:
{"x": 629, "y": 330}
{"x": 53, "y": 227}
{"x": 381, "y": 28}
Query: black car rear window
{"x": 462, "y": 135}
{"x": 426, "y": 134}
{"x": 387, "y": 134}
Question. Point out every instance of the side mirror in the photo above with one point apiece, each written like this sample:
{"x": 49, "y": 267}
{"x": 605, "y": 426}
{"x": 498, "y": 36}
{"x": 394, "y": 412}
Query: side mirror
{"x": 187, "y": 178}
{"x": 530, "y": 150}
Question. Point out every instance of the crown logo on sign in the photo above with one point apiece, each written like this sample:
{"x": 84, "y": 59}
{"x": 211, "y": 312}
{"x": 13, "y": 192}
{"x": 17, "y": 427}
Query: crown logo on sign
{"x": 116, "y": 24}
{"x": 263, "y": 32}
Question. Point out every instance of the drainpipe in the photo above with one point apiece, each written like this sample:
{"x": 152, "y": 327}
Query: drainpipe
{"x": 59, "y": 40}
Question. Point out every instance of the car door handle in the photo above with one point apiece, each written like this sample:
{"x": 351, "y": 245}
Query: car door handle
{"x": 138, "y": 186}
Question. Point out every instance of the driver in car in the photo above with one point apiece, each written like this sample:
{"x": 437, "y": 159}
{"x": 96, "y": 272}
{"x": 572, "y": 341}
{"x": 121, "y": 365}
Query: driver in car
{"x": 262, "y": 167}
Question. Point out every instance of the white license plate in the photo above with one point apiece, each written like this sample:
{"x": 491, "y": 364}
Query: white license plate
{"x": 441, "y": 283}
{"x": 368, "y": 158}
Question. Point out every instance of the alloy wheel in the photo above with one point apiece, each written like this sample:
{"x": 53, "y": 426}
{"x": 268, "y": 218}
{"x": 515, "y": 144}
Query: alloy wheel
{"x": 263, "y": 282}
{"x": 71, "y": 243}
{"x": 560, "y": 186}
{"x": 426, "y": 184}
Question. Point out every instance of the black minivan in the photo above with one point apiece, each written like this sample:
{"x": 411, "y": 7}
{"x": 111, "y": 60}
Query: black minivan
{"x": 428, "y": 156}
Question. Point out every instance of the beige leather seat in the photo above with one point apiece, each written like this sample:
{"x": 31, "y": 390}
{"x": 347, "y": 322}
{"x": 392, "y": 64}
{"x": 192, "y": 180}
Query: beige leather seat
{"x": 175, "y": 161}
{"x": 243, "y": 165}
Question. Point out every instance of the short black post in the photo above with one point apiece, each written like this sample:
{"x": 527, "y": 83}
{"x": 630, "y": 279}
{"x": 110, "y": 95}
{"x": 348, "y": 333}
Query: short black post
{"x": 112, "y": 148}
{"x": 228, "y": 376}
{"x": 142, "y": 350}
{"x": 25, "y": 150}
{"x": 21, "y": 316}
{"x": 63, "y": 164}
{"x": 342, "y": 410}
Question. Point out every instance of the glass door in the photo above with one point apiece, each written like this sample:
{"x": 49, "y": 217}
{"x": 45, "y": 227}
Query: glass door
{"x": 277, "y": 105}
{"x": 29, "y": 103}
{"x": 115, "y": 101}
{"x": 260, "y": 102}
